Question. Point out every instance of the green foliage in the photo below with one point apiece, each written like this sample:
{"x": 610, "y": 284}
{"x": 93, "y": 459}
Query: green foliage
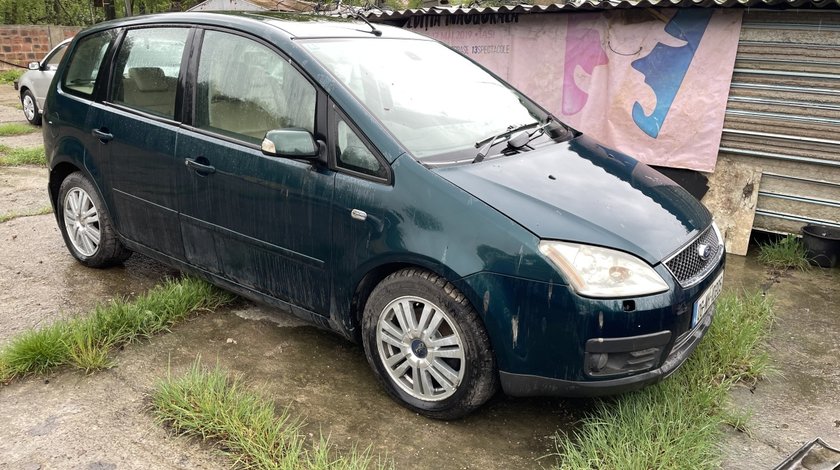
{"x": 59, "y": 12}
{"x": 14, "y": 215}
{"x": 676, "y": 424}
{"x": 86, "y": 342}
{"x": 22, "y": 156}
{"x": 9, "y": 76}
{"x": 215, "y": 406}
{"x": 16, "y": 128}
{"x": 79, "y": 12}
{"x": 784, "y": 253}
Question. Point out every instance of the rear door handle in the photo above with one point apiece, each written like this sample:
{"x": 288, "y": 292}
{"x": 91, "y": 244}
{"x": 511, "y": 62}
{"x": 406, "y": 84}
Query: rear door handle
{"x": 199, "y": 168}
{"x": 103, "y": 135}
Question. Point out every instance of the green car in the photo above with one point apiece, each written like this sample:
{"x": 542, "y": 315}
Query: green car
{"x": 380, "y": 185}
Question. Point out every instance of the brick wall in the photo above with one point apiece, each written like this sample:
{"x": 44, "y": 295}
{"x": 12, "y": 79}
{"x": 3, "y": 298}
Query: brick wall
{"x": 21, "y": 44}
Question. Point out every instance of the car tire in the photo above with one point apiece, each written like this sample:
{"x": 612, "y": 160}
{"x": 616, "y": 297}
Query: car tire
{"x": 416, "y": 324}
{"x": 30, "y": 108}
{"x": 86, "y": 225}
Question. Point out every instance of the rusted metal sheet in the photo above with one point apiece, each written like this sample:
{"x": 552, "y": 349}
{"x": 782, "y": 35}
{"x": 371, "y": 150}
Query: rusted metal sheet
{"x": 783, "y": 116}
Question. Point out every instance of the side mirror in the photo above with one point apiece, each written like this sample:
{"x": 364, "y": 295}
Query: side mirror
{"x": 290, "y": 143}
{"x": 34, "y": 66}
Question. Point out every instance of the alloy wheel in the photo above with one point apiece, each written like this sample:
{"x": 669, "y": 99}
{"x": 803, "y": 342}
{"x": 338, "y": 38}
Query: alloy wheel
{"x": 420, "y": 348}
{"x": 81, "y": 219}
{"x": 29, "y": 107}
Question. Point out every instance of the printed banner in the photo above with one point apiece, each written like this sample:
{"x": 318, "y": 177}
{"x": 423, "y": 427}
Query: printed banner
{"x": 650, "y": 83}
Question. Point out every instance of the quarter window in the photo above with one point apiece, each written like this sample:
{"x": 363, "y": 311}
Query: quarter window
{"x": 245, "y": 89}
{"x": 147, "y": 67}
{"x": 85, "y": 62}
{"x": 353, "y": 154}
{"x": 51, "y": 63}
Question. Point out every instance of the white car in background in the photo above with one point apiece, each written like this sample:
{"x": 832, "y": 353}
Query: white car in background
{"x": 35, "y": 82}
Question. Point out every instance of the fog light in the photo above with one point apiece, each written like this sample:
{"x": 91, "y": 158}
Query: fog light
{"x": 598, "y": 361}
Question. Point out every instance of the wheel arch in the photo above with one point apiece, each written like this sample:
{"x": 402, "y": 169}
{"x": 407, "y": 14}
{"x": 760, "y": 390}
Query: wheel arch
{"x": 57, "y": 175}
{"x": 365, "y": 284}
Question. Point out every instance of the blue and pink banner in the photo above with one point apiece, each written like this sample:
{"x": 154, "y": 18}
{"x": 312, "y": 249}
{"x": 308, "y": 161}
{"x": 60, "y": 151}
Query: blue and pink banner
{"x": 651, "y": 83}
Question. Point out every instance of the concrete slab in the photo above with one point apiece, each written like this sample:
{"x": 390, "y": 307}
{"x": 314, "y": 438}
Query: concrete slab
{"x": 732, "y": 196}
{"x": 800, "y": 401}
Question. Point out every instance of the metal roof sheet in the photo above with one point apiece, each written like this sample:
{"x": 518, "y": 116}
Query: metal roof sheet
{"x": 575, "y": 5}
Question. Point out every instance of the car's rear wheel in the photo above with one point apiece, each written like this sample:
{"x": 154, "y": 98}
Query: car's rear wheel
{"x": 86, "y": 225}
{"x": 427, "y": 345}
{"x": 30, "y": 108}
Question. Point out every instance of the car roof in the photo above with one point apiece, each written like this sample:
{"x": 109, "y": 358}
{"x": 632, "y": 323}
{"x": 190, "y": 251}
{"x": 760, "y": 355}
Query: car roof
{"x": 294, "y": 25}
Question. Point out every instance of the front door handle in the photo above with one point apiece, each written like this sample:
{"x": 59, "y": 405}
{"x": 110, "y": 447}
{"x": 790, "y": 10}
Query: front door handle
{"x": 103, "y": 135}
{"x": 199, "y": 168}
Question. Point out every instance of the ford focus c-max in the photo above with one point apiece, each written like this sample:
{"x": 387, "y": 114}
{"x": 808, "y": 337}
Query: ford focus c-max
{"x": 463, "y": 235}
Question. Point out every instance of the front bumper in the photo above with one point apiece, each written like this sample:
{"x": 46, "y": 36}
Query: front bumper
{"x": 546, "y": 338}
{"x": 523, "y": 385}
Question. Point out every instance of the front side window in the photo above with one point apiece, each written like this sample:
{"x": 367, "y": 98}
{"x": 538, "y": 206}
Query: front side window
{"x": 147, "y": 67}
{"x": 51, "y": 62}
{"x": 245, "y": 89}
{"x": 353, "y": 154}
{"x": 84, "y": 64}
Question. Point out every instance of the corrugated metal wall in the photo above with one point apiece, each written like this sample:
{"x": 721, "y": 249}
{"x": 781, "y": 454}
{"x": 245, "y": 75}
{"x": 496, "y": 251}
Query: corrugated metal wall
{"x": 784, "y": 115}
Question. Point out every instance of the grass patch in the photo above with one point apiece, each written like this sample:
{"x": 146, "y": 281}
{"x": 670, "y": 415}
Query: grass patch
{"x": 784, "y": 253}
{"x": 677, "y": 423}
{"x": 215, "y": 406}
{"x": 9, "y": 76}
{"x": 86, "y": 343}
{"x": 27, "y": 156}
{"x": 16, "y": 128}
{"x": 15, "y": 215}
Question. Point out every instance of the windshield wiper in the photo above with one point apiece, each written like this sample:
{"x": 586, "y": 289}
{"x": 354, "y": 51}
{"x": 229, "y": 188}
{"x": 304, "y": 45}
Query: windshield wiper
{"x": 488, "y": 143}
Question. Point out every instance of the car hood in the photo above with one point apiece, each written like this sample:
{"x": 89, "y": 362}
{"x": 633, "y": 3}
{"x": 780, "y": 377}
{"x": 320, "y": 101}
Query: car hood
{"x": 583, "y": 192}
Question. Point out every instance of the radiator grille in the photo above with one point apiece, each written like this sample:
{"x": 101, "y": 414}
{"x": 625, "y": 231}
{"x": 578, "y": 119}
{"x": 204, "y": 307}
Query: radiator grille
{"x": 688, "y": 266}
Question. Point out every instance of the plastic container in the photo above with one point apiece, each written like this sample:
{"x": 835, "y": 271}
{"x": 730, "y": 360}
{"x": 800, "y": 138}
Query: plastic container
{"x": 823, "y": 245}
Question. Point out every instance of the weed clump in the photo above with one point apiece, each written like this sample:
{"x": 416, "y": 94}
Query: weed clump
{"x": 27, "y": 156}
{"x": 16, "y": 128}
{"x": 86, "y": 343}
{"x": 216, "y": 406}
{"x": 784, "y": 253}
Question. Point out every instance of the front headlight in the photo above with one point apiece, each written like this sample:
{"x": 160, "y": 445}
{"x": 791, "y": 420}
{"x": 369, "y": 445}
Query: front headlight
{"x": 600, "y": 272}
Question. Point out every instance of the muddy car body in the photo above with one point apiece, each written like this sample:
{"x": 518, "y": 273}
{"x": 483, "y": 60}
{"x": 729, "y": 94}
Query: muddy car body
{"x": 294, "y": 161}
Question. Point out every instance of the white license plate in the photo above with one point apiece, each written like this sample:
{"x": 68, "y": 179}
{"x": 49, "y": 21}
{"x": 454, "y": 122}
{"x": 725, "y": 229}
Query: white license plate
{"x": 706, "y": 300}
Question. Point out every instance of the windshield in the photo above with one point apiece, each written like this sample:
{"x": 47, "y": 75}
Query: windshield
{"x": 436, "y": 102}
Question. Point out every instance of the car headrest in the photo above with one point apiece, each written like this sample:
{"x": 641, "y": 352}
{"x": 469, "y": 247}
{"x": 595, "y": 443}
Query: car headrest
{"x": 148, "y": 78}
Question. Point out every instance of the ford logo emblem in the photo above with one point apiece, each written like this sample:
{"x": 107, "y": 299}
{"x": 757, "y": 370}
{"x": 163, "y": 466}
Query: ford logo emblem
{"x": 704, "y": 251}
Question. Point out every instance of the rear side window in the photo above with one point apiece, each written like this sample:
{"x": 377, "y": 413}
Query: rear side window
{"x": 245, "y": 89}
{"x": 84, "y": 64}
{"x": 147, "y": 67}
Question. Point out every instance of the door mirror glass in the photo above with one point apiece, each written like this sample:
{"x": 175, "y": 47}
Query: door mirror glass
{"x": 34, "y": 66}
{"x": 290, "y": 143}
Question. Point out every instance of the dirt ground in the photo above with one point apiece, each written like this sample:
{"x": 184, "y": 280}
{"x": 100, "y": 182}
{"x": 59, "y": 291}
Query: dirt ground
{"x": 69, "y": 420}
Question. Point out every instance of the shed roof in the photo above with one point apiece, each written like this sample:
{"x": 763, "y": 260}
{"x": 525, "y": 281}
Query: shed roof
{"x": 573, "y": 5}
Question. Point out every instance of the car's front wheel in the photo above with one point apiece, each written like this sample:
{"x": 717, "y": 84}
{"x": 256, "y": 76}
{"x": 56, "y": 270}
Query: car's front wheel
{"x": 30, "y": 108}
{"x": 86, "y": 225}
{"x": 428, "y": 346}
